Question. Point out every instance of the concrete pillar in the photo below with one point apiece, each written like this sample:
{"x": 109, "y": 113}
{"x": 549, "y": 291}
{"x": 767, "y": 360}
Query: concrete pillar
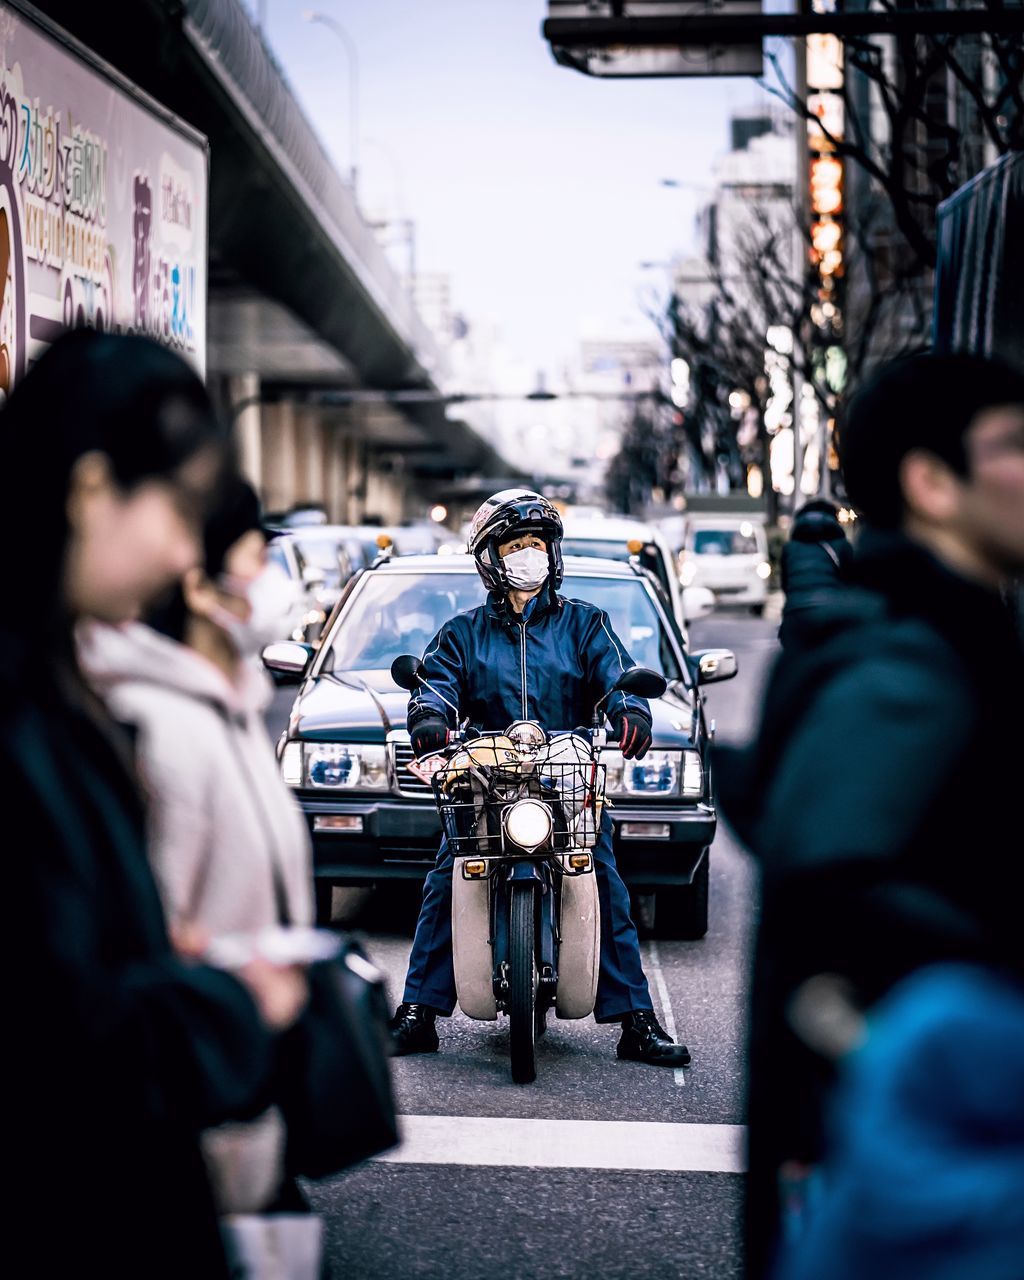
{"x": 336, "y": 478}
{"x": 360, "y": 479}
{"x": 279, "y": 456}
{"x": 244, "y": 389}
{"x": 309, "y": 456}
{"x": 385, "y": 491}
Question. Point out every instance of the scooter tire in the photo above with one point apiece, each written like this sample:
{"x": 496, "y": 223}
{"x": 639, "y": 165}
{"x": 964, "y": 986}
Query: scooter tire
{"x": 522, "y": 993}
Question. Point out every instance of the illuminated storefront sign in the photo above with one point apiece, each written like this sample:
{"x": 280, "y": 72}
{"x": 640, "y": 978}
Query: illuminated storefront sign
{"x": 824, "y": 129}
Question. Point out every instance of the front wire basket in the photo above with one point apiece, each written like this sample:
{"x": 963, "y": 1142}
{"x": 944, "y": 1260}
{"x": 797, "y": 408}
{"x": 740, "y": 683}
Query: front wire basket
{"x": 473, "y": 799}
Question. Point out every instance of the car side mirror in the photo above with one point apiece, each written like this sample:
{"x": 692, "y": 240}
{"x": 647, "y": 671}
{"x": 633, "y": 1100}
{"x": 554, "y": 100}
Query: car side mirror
{"x": 287, "y": 661}
{"x": 407, "y": 672}
{"x": 313, "y": 577}
{"x": 698, "y": 602}
{"x": 643, "y": 682}
{"x": 714, "y": 665}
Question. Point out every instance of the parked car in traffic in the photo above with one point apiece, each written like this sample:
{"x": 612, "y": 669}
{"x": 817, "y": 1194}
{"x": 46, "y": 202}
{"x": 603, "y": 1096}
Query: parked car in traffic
{"x": 336, "y": 552}
{"x": 346, "y": 751}
{"x": 309, "y": 615}
{"x": 729, "y": 556}
{"x": 333, "y": 553}
{"x": 299, "y": 517}
{"x": 623, "y": 538}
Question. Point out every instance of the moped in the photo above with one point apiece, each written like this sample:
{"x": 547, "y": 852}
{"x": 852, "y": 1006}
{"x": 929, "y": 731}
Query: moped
{"x": 521, "y": 812}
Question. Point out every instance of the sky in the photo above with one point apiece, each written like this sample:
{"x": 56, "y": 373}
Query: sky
{"x": 536, "y": 188}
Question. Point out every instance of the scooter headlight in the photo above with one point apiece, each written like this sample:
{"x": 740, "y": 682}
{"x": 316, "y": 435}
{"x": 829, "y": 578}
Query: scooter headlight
{"x": 528, "y": 824}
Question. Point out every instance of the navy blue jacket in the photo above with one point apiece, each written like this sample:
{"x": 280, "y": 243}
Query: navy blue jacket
{"x": 550, "y": 665}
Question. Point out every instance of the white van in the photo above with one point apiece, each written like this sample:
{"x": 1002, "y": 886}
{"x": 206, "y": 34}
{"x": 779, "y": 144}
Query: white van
{"x": 729, "y": 555}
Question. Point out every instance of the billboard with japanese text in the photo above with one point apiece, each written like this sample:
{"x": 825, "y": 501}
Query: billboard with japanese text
{"x": 103, "y": 204}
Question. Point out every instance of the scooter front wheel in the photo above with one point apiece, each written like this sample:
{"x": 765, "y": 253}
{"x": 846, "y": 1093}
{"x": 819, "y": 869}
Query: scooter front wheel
{"x": 522, "y": 984}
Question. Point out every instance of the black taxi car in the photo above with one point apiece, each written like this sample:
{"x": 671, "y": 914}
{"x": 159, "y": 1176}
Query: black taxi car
{"x": 346, "y": 751}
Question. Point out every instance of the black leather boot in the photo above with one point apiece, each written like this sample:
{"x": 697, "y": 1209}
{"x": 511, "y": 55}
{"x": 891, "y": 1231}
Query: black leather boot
{"x": 644, "y": 1040}
{"x": 412, "y": 1030}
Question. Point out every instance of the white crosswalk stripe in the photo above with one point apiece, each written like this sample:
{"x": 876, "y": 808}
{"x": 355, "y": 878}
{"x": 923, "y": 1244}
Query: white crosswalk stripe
{"x": 570, "y": 1144}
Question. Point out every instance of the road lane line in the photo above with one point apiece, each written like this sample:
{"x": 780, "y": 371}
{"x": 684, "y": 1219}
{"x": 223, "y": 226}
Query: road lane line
{"x": 667, "y": 1017}
{"x": 570, "y": 1144}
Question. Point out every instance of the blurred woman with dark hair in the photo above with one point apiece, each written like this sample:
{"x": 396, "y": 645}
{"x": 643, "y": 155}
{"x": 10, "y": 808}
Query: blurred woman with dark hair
{"x": 123, "y": 1049}
{"x": 229, "y": 846}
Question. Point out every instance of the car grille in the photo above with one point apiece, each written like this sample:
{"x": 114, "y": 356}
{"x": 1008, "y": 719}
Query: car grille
{"x": 408, "y": 783}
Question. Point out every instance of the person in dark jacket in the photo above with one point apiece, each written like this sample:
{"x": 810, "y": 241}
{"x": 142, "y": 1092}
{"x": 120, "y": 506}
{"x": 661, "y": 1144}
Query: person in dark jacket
{"x": 528, "y": 653}
{"x": 880, "y": 795}
{"x": 122, "y": 1048}
{"x": 815, "y": 562}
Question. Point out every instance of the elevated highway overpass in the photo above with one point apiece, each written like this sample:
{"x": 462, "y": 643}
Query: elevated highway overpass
{"x": 302, "y": 297}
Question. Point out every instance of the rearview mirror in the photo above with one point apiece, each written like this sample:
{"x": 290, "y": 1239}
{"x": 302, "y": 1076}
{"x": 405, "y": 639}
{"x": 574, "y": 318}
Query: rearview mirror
{"x": 407, "y": 672}
{"x": 643, "y": 682}
{"x": 287, "y": 660}
{"x": 714, "y": 665}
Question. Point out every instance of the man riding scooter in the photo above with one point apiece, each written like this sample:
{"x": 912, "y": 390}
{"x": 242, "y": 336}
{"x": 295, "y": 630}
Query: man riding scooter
{"x": 528, "y": 654}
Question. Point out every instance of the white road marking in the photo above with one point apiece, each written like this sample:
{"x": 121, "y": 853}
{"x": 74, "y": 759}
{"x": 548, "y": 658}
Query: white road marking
{"x": 570, "y": 1144}
{"x": 667, "y": 1016}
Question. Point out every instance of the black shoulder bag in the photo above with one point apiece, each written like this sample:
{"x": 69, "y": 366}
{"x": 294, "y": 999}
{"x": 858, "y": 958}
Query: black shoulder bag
{"x": 335, "y": 1078}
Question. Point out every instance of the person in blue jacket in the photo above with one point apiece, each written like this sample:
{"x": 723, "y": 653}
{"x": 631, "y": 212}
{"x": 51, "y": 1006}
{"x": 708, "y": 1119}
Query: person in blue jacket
{"x": 926, "y": 1145}
{"x": 528, "y": 654}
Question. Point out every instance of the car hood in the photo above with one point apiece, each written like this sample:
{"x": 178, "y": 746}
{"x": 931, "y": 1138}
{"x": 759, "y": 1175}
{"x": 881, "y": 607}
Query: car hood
{"x": 361, "y": 706}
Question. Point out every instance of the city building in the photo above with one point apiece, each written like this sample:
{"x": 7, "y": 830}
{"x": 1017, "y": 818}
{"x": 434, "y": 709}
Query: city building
{"x": 733, "y": 311}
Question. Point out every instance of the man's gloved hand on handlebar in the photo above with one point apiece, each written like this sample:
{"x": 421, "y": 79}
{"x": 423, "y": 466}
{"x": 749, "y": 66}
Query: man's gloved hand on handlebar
{"x": 429, "y": 734}
{"x": 633, "y": 730}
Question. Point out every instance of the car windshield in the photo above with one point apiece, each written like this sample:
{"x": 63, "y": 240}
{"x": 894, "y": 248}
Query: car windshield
{"x": 724, "y": 542}
{"x": 402, "y": 612}
{"x": 322, "y": 552}
{"x": 603, "y": 548}
{"x": 617, "y": 549}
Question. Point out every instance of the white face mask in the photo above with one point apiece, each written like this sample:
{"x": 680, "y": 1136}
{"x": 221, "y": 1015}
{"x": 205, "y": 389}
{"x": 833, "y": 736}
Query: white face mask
{"x": 526, "y": 569}
{"x": 272, "y": 598}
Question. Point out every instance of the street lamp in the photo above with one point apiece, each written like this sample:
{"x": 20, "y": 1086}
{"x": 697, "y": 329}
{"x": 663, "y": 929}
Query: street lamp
{"x": 325, "y": 19}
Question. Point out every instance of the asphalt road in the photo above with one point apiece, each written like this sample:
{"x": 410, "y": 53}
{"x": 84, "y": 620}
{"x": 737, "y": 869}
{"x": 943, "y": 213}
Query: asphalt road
{"x": 500, "y": 1185}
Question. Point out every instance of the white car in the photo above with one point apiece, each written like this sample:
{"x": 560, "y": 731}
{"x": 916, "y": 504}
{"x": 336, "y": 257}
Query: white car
{"x": 623, "y": 538}
{"x": 729, "y": 556}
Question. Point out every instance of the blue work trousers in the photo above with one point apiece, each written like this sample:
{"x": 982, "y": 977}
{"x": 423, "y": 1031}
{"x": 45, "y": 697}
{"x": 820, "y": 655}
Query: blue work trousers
{"x": 621, "y": 987}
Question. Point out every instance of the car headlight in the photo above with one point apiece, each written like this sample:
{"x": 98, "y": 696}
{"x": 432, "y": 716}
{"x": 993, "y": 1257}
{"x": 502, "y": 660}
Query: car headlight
{"x": 291, "y": 764}
{"x": 659, "y": 773}
{"x": 687, "y": 573}
{"x": 764, "y": 570}
{"x": 335, "y": 766}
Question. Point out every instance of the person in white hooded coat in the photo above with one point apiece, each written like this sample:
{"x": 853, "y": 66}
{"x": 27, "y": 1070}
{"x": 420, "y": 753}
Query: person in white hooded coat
{"x": 229, "y": 846}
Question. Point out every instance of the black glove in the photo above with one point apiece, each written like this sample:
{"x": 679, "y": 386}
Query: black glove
{"x": 429, "y": 734}
{"x": 633, "y": 730}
